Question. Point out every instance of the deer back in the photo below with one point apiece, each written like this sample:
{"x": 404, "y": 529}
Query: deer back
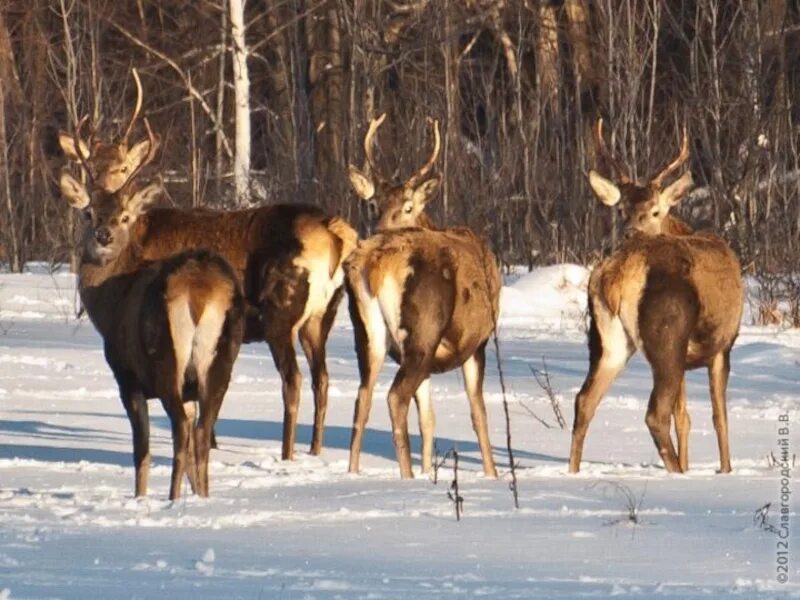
{"x": 450, "y": 275}
{"x": 704, "y": 261}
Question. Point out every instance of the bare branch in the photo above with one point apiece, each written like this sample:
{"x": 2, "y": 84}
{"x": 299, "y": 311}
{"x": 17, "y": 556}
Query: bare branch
{"x": 184, "y": 78}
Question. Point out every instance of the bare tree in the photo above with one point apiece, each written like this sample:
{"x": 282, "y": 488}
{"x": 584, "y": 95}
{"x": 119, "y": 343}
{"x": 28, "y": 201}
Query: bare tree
{"x": 241, "y": 87}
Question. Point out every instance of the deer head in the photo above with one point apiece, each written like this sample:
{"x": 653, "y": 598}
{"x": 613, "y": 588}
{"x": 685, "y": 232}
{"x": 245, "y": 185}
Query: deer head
{"x": 108, "y": 217}
{"x": 110, "y": 165}
{"x": 644, "y": 206}
{"x": 393, "y": 205}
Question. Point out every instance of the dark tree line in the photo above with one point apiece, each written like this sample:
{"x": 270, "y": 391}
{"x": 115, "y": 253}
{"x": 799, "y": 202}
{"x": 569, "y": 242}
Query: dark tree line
{"x": 516, "y": 86}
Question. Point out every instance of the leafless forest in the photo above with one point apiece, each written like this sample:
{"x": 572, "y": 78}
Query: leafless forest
{"x": 269, "y": 102}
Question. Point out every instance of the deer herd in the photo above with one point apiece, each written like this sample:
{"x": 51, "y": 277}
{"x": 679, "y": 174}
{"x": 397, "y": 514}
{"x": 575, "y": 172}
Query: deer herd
{"x": 175, "y": 292}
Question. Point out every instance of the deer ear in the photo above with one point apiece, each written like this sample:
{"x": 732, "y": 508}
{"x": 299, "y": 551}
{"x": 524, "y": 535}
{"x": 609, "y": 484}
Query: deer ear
{"x": 140, "y": 152}
{"x": 73, "y": 191}
{"x": 605, "y": 190}
{"x": 425, "y": 191}
{"x": 362, "y": 184}
{"x": 67, "y": 143}
{"x": 677, "y": 190}
{"x": 144, "y": 198}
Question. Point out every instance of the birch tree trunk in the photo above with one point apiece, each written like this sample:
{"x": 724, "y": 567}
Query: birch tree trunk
{"x": 241, "y": 88}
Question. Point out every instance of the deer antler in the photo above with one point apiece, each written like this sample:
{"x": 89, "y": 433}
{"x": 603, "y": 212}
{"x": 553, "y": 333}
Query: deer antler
{"x": 676, "y": 164}
{"x": 84, "y": 160}
{"x": 137, "y": 108}
{"x": 151, "y": 152}
{"x": 437, "y": 144}
{"x": 621, "y": 170}
{"x": 374, "y": 124}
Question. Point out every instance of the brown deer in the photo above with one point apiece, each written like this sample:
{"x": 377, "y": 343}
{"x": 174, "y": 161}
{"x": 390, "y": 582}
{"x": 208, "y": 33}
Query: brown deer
{"x": 287, "y": 257}
{"x": 427, "y": 296}
{"x": 674, "y": 294}
{"x": 171, "y": 328}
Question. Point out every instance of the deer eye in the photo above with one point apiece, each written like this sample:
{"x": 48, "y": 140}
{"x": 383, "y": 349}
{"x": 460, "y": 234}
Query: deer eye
{"x": 124, "y": 219}
{"x": 656, "y": 213}
{"x": 124, "y": 170}
{"x": 408, "y": 208}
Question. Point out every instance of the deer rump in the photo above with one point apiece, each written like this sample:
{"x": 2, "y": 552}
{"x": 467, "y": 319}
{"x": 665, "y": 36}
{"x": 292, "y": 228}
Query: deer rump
{"x": 434, "y": 285}
{"x": 695, "y": 278}
{"x": 177, "y": 315}
{"x": 286, "y": 257}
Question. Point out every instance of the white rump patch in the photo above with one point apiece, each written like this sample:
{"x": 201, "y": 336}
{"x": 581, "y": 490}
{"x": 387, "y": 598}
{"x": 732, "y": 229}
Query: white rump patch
{"x": 613, "y": 336}
{"x": 374, "y": 323}
{"x": 181, "y": 328}
{"x": 206, "y": 336}
{"x": 195, "y": 342}
{"x": 390, "y": 298}
{"x": 321, "y": 286}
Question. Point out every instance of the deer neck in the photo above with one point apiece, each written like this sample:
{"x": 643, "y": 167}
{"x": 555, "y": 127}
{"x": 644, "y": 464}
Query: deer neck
{"x": 105, "y": 287}
{"x": 674, "y": 226}
{"x": 425, "y": 222}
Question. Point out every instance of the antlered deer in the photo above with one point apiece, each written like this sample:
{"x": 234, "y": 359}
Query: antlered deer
{"x": 288, "y": 258}
{"x": 677, "y": 297}
{"x": 171, "y": 328}
{"x": 427, "y": 296}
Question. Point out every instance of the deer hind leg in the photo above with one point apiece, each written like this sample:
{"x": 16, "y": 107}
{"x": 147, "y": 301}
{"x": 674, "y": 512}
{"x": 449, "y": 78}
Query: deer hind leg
{"x": 413, "y": 371}
{"x": 216, "y": 386}
{"x": 418, "y": 346}
{"x": 718, "y": 373}
{"x": 682, "y": 426}
{"x": 667, "y": 314}
{"x": 427, "y": 423}
{"x": 666, "y": 389}
{"x": 313, "y": 342}
{"x": 473, "y": 370}
{"x": 136, "y": 407}
{"x": 282, "y": 348}
{"x": 609, "y": 351}
{"x": 181, "y": 432}
{"x": 370, "y": 335}
{"x": 213, "y": 389}
{"x": 190, "y": 409}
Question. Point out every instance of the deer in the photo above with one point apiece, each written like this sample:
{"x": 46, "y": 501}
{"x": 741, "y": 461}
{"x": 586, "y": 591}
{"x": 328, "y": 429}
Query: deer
{"x": 671, "y": 292}
{"x": 427, "y": 296}
{"x": 171, "y": 328}
{"x": 288, "y": 258}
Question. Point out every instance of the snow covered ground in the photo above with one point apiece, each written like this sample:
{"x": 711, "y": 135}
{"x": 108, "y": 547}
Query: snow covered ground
{"x": 70, "y": 528}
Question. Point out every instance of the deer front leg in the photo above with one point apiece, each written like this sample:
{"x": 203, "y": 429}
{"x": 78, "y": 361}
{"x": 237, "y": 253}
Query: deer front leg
{"x": 136, "y": 407}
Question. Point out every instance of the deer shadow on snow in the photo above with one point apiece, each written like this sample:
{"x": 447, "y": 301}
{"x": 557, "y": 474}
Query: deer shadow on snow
{"x": 377, "y": 442}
